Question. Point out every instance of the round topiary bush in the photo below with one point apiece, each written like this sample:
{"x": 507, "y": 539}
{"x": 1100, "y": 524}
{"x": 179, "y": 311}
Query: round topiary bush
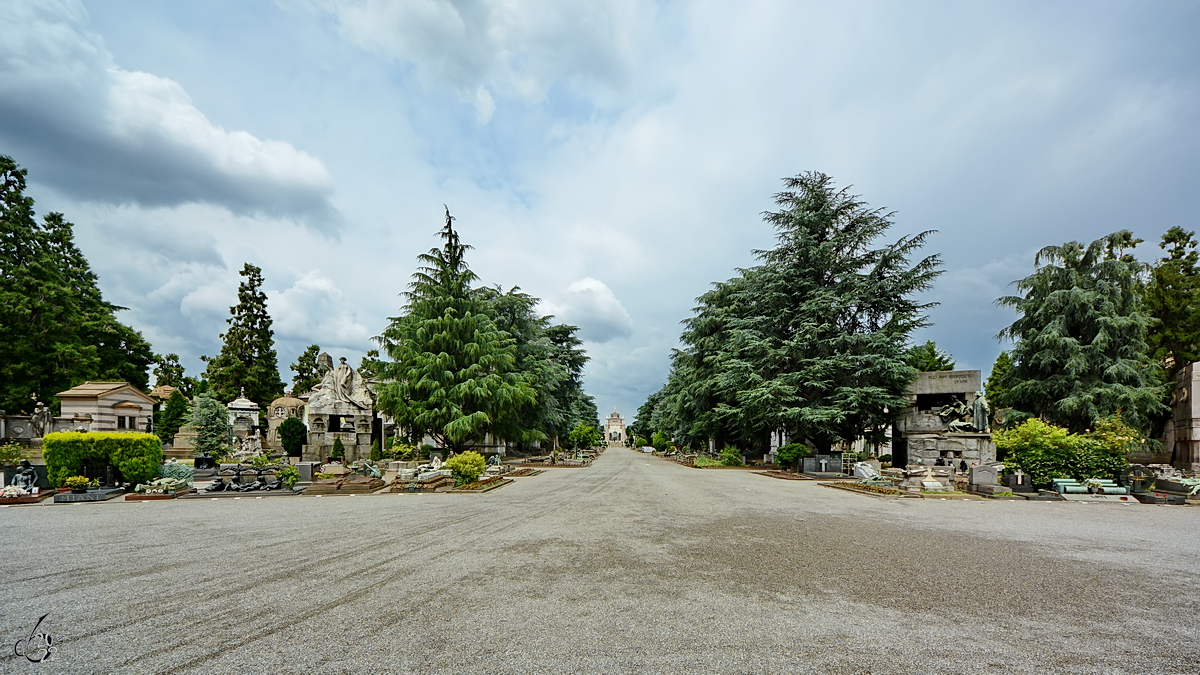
{"x": 466, "y": 466}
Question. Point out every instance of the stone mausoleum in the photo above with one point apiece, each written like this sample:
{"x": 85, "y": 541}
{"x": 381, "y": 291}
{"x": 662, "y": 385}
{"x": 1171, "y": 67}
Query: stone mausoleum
{"x": 614, "y": 429}
{"x": 947, "y": 419}
{"x": 341, "y": 406}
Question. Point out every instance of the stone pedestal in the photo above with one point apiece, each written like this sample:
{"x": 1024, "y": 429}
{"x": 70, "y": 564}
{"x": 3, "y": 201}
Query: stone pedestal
{"x": 1185, "y": 430}
{"x": 955, "y": 447}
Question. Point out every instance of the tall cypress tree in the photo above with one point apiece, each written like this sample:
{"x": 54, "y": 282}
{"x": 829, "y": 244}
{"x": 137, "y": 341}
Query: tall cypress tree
{"x": 56, "y": 328}
{"x": 247, "y": 361}
{"x": 454, "y": 374}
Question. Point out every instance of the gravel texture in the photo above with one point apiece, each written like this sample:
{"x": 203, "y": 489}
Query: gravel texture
{"x": 633, "y": 565}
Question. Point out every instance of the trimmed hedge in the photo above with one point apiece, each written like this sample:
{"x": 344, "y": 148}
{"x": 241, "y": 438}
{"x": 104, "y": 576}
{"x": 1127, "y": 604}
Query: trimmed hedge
{"x": 136, "y": 456}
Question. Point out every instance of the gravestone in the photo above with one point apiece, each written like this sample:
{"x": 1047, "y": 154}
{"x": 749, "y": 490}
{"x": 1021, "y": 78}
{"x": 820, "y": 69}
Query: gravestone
{"x": 1019, "y": 481}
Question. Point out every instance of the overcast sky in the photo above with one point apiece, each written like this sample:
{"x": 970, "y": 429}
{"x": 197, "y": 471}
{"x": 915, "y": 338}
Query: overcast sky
{"x": 612, "y": 157}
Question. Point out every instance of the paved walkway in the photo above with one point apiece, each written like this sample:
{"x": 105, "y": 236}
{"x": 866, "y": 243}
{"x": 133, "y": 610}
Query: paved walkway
{"x": 633, "y": 565}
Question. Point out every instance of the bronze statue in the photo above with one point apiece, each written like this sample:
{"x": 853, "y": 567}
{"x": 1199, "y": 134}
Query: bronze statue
{"x": 25, "y": 477}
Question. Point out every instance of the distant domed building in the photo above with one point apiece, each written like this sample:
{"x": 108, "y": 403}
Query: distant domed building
{"x": 614, "y": 429}
{"x": 279, "y": 410}
{"x": 243, "y": 415}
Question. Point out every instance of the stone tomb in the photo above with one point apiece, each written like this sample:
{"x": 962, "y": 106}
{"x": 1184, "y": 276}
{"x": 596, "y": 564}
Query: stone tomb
{"x": 943, "y": 421}
{"x": 340, "y": 407}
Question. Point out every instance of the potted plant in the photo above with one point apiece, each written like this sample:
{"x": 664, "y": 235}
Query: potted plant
{"x": 77, "y": 484}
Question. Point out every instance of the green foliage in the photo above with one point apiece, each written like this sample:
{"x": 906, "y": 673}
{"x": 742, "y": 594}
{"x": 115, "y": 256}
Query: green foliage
{"x": 886, "y": 459}
{"x": 1080, "y": 341}
{"x": 791, "y": 453}
{"x": 370, "y": 365}
{"x": 56, "y": 328}
{"x": 173, "y": 416}
{"x": 210, "y": 419}
{"x": 76, "y": 482}
{"x": 641, "y": 442}
{"x": 12, "y": 453}
{"x": 376, "y": 452}
{"x": 293, "y": 434}
{"x": 813, "y": 340}
{"x": 927, "y": 358}
{"x": 403, "y": 452}
{"x": 660, "y": 441}
{"x": 247, "y": 362}
{"x": 169, "y": 372}
{"x": 704, "y": 462}
{"x": 136, "y": 456}
{"x": 1173, "y": 297}
{"x": 730, "y": 456}
{"x": 1046, "y": 451}
{"x": 466, "y": 466}
{"x": 308, "y": 372}
{"x": 585, "y": 436}
{"x": 454, "y": 374}
{"x": 339, "y": 449}
{"x": 997, "y": 393}
{"x": 289, "y": 474}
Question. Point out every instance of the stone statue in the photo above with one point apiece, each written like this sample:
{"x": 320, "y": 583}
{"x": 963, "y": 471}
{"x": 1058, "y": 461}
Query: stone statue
{"x": 436, "y": 463}
{"x": 42, "y": 420}
{"x": 25, "y": 478}
{"x": 957, "y": 417}
{"x": 343, "y": 384}
{"x": 982, "y": 413}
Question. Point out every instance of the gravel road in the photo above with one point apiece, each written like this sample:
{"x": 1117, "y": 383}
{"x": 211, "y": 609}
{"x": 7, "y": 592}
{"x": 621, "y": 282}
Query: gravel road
{"x": 633, "y": 565}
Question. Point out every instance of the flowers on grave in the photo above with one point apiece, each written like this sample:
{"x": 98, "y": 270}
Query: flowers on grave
{"x": 12, "y": 491}
{"x": 77, "y": 482}
{"x": 163, "y": 486}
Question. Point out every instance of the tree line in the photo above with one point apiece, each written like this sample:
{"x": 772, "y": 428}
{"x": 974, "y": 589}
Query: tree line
{"x": 815, "y": 340}
{"x": 460, "y": 362}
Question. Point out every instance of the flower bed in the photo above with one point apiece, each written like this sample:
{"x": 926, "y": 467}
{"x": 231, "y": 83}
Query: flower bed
{"x": 485, "y": 485}
{"x": 867, "y": 489}
{"x": 526, "y": 471}
{"x": 785, "y": 475}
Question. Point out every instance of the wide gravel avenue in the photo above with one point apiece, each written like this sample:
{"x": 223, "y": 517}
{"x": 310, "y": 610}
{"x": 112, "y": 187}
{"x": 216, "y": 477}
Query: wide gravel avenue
{"x": 633, "y": 565}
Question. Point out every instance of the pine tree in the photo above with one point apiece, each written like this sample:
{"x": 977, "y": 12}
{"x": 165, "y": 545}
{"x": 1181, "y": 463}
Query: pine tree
{"x": 1080, "y": 348}
{"x": 1173, "y": 297}
{"x": 996, "y": 392}
{"x": 813, "y": 340}
{"x": 454, "y": 374}
{"x": 169, "y": 372}
{"x": 927, "y": 358}
{"x": 210, "y": 419}
{"x": 308, "y": 373}
{"x": 247, "y": 362}
{"x": 56, "y": 328}
{"x": 173, "y": 416}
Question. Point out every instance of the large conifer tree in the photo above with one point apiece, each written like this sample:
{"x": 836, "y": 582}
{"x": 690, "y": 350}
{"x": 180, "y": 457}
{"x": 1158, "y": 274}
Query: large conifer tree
{"x": 247, "y": 360}
{"x": 454, "y": 374}
{"x": 56, "y": 329}
{"x": 813, "y": 340}
{"x": 1080, "y": 350}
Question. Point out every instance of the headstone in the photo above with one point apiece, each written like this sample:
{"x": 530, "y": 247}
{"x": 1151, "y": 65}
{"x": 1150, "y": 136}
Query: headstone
{"x": 1019, "y": 481}
{"x": 983, "y": 474}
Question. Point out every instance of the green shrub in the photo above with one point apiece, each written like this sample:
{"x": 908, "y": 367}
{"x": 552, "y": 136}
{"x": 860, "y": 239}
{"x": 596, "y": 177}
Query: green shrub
{"x": 339, "y": 449}
{"x": 11, "y": 454}
{"x": 136, "y": 456}
{"x": 466, "y": 466}
{"x": 703, "y": 461}
{"x": 210, "y": 419}
{"x": 1045, "y": 451}
{"x": 293, "y": 434}
{"x": 730, "y": 456}
{"x": 660, "y": 441}
{"x": 376, "y": 451}
{"x": 76, "y": 482}
{"x": 791, "y": 453}
{"x": 174, "y": 414}
{"x": 289, "y": 474}
{"x": 885, "y": 458}
{"x": 426, "y": 449}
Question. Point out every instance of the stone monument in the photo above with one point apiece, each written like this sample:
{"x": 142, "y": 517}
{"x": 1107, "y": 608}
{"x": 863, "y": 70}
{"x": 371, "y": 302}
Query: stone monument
{"x": 947, "y": 420}
{"x": 341, "y": 406}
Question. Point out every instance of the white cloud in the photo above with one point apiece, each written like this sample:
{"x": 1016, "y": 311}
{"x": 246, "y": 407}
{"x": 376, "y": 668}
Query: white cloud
{"x": 509, "y": 48}
{"x": 103, "y": 133}
{"x": 591, "y": 305}
{"x": 315, "y": 310}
